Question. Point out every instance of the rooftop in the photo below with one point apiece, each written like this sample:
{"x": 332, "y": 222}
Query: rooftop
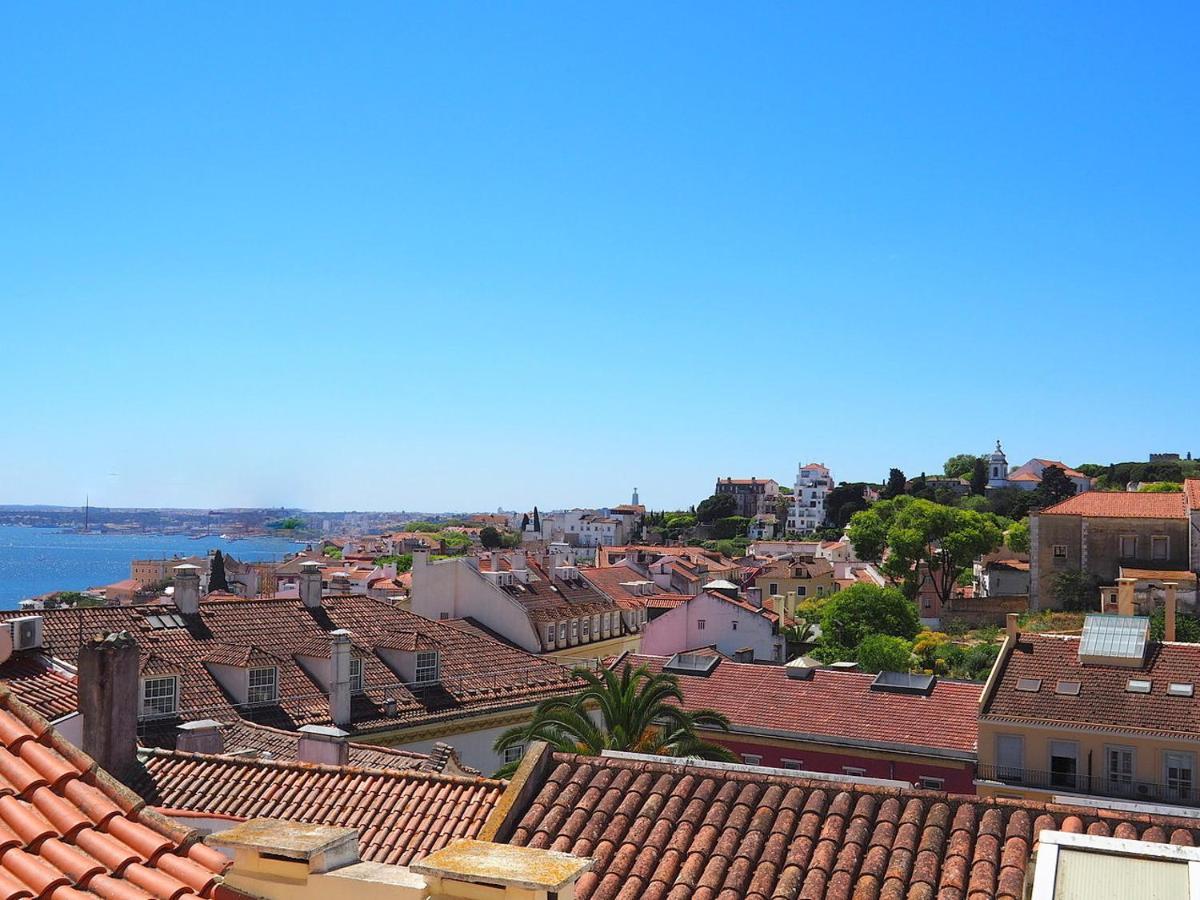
{"x": 1121, "y": 505}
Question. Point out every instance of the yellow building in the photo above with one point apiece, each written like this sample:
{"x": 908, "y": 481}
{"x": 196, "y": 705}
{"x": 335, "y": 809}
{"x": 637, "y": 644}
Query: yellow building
{"x": 808, "y": 578}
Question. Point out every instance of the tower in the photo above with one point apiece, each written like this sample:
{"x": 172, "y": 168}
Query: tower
{"x": 997, "y": 468}
{"x": 635, "y": 497}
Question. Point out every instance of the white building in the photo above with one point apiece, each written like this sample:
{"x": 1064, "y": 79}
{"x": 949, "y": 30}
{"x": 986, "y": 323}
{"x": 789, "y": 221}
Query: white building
{"x": 1029, "y": 476}
{"x": 813, "y": 484}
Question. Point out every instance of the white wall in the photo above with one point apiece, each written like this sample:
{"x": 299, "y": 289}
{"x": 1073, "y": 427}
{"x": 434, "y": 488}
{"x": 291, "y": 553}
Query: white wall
{"x": 679, "y": 630}
{"x": 454, "y": 589}
{"x": 474, "y": 748}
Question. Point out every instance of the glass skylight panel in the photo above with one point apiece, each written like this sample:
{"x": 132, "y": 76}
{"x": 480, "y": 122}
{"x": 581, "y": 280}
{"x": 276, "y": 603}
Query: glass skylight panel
{"x": 1117, "y": 637}
{"x": 1029, "y": 685}
{"x": 1180, "y": 689}
{"x": 1138, "y": 686}
{"x": 1067, "y": 688}
{"x": 904, "y": 683}
{"x": 691, "y": 663}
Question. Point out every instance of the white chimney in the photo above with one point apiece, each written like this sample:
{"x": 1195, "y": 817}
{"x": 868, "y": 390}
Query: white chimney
{"x": 310, "y": 584}
{"x": 187, "y": 589}
{"x": 516, "y": 559}
{"x": 323, "y": 745}
{"x": 339, "y": 677}
{"x": 201, "y": 736}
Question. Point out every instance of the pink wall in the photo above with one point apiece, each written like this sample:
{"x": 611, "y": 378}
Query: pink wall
{"x": 957, "y": 780}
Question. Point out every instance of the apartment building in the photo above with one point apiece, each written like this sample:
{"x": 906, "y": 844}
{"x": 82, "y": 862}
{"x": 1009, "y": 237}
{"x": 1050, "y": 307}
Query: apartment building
{"x": 753, "y": 495}
{"x": 813, "y": 484}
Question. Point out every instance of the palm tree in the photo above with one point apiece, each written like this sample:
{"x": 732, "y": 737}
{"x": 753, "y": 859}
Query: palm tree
{"x": 639, "y": 711}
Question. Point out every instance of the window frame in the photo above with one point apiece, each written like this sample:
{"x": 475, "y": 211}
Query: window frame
{"x": 1165, "y": 539}
{"x": 752, "y": 759}
{"x": 255, "y": 695}
{"x": 144, "y": 710}
{"x": 515, "y": 753}
{"x": 418, "y": 667}
{"x": 1121, "y": 554}
{"x": 358, "y": 680}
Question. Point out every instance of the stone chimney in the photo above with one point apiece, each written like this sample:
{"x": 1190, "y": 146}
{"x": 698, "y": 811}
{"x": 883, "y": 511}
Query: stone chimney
{"x": 1011, "y": 626}
{"x": 789, "y": 604}
{"x": 494, "y": 560}
{"x": 201, "y": 736}
{"x": 310, "y": 584}
{"x": 108, "y": 697}
{"x": 1171, "y": 589}
{"x": 323, "y": 745}
{"x": 187, "y": 589}
{"x": 516, "y": 559}
{"x": 755, "y": 596}
{"x": 339, "y": 677}
{"x": 1125, "y": 605}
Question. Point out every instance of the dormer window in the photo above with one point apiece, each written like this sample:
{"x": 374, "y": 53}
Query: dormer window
{"x": 357, "y": 681}
{"x": 262, "y": 685}
{"x": 427, "y": 667}
{"x": 160, "y": 697}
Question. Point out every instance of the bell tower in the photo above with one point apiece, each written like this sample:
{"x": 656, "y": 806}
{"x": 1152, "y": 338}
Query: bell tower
{"x": 998, "y": 468}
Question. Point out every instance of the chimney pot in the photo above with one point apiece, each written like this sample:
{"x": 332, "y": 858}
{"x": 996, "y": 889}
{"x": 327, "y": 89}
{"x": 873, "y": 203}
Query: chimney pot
{"x": 339, "y": 677}
{"x": 108, "y": 696}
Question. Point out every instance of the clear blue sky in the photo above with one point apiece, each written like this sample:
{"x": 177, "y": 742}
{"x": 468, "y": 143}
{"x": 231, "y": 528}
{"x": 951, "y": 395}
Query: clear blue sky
{"x": 451, "y": 256}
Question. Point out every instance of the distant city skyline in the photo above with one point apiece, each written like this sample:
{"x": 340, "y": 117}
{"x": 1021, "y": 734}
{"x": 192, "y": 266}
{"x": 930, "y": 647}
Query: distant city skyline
{"x": 463, "y": 256}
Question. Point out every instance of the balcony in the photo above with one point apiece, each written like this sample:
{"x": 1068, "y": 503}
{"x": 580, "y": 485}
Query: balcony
{"x": 1183, "y": 791}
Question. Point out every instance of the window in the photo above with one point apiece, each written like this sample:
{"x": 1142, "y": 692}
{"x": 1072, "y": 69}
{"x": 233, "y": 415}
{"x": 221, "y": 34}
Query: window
{"x": 1068, "y": 688}
{"x": 1064, "y": 764}
{"x": 357, "y": 682}
{"x": 585, "y": 628}
{"x": 1160, "y": 547}
{"x": 773, "y": 588}
{"x": 700, "y": 623}
{"x": 1010, "y": 756}
{"x": 1118, "y": 762}
{"x": 794, "y": 765}
{"x": 752, "y": 759}
{"x": 160, "y": 696}
{"x": 733, "y": 625}
{"x": 574, "y": 629}
{"x": 513, "y": 754}
{"x": 1029, "y": 685}
{"x": 549, "y": 634}
{"x": 427, "y": 667}
{"x": 562, "y": 632}
{"x": 854, "y": 771}
{"x": 1128, "y": 546}
{"x": 263, "y": 685}
{"x": 443, "y": 616}
{"x": 929, "y": 783}
{"x": 801, "y": 590}
{"x": 1179, "y": 775}
{"x": 1060, "y": 551}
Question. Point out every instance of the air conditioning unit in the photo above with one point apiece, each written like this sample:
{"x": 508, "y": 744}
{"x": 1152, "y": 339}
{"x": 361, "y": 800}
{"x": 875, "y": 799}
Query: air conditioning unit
{"x": 26, "y": 632}
{"x": 1143, "y": 790}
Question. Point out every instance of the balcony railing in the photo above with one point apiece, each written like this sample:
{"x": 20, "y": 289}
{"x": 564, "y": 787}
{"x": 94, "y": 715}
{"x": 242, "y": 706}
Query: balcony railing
{"x": 1183, "y": 792}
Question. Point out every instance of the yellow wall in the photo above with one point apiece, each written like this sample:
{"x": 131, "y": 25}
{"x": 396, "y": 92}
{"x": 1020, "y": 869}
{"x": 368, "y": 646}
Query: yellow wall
{"x": 597, "y": 649}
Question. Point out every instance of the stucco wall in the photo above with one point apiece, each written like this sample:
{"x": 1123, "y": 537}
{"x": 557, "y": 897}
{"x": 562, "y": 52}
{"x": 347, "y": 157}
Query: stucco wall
{"x": 679, "y": 629}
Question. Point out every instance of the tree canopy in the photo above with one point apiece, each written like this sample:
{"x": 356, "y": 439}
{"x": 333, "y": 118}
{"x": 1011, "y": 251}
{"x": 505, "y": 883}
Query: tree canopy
{"x": 216, "y": 573}
{"x": 979, "y": 477}
{"x": 895, "y": 485}
{"x": 884, "y": 653}
{"x": 1055, "y": 486}
{"x": 844, "y": 501}
{"x": 861, "y": 610}
{"x": 960, "y": 465}
{"x": 718, "y": 506}
{"x": 490, "y": 538}
{"x": 918, "y": 535}
{"x": 1016, "y": 538}
{"x": 638, "y": 711}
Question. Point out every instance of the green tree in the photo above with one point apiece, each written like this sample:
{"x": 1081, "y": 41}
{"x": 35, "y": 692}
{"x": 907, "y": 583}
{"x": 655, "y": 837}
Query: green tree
{"x": 216, "y": 573}
{"x": 1017, "y": 537}
{"x": 403, "y": 561}
{"x": 331, "y": 551}
{"x": 525, "y": 522}
{"x": 681, "y": 521}
{"x": 979, "y": 477}
{"x": 1055, "y": 486}
{"x": 861, "y": 610}
{"x": 1161, "y": 487}
{"x": 844, "y": 501}
{"x": 718, "y": 506}
{"x": 960, "y": 465}
{"x": 638, "y": 711}
{"x": 537, "y": 521}
{"x": 884, "y": 653}
{"x": 895, "y": 485}
{"x": 1187, "y": 627}
{"x": 730, "y": 527}
{"x": 921, "y": 537}
{"x": 490, "y": 537}
{"x": 454, "y": 540}
{"x": 1075, "y": 590}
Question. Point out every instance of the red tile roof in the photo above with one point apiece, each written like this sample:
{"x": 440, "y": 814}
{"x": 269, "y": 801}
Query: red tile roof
{"x": 1102, "y": 702}
{"x": 69, "y": 831}
{"x": 1191, "y": 490}
{"x": 477, "y": 674}
{"x": 38, "y": 683}
{"x": 401, "y": 816}
{"x": 547, "y": 598}
{"x": 666, "y": 830}
{"x": 836, "y": 706}
{"x": 1121, "y": 505}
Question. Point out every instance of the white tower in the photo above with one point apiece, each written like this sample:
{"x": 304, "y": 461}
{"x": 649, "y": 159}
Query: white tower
{"x": 998, "y": 468}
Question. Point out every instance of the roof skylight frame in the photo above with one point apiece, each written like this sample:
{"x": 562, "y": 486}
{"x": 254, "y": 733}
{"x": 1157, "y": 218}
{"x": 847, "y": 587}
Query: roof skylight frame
{"x": 1029, "y": 685}
{"x": 1139, "y": 686}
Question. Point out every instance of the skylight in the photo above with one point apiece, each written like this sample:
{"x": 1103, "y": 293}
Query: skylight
{"x": 904, "y": 683}
{"x": 1067, "y": 688}
{"x": 1180, "y": 689}
{"x": 1029, "y": 685}
{"x": 691, "y": 663}
{"x": 1114, "y": 638}
{"x": 168, "y": 620}
{"x": 1138, "y": 686}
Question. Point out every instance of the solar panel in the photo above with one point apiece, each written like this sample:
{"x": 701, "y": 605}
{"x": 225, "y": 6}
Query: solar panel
{"x": 903, "y": 683}
{"x": 1115, "y": 637}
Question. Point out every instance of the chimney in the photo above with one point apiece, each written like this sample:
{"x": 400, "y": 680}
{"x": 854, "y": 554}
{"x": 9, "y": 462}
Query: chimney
{"x": 323, "y": 745}
{"x": 516, "y": 559}
{"x": 187, "y": 589}
{"x": 1011, "y": 628}
{"x": 201, "y": 736}
{"x": 108, "y": 697}
{"x": 310, "y": 584}
{"x": 754, "y": 595}
{"x": 339, "y": 583}
{"x": 1171, "y": 588}
{"x": 494, "y": 560}
{"x": 1125, "y": 596}
{"x": 339, "y": 677}
{"x": 789, "y": 604}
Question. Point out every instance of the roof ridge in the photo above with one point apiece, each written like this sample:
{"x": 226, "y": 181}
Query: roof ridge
{"x": 295, "y": 764}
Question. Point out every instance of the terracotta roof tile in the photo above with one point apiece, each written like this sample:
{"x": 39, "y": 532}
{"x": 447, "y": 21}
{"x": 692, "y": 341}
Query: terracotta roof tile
{"x": 1121, "y": 505}
{"x": 401, "y": 815}
{"x": 687, "y": 832}
{"x": 37, "y": 682}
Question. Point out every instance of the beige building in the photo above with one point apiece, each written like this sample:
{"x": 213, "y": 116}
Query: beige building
{"x": 807, "y": 578}
{"x": 1104, "y": 713}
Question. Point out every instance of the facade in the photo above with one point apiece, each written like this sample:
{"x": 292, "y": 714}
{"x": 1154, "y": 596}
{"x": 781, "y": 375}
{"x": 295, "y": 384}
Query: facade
{"x": 1001, "y": 577}
{"x": 807, "y": 578}
{"x": 1029, "y": 476}
{"x": 1099, "y": 532}
{"x": 718, "y": 618}
{"x": 753, "y": 495}
{"x": 1092, "y": 715}
{"x": 813, "y": 484}
{"x": 836, "y": 722}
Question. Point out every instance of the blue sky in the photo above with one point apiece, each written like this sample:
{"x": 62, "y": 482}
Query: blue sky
{"x": 459, "y": 256}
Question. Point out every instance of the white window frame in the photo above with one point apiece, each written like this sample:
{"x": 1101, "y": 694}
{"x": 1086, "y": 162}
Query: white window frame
{"x": 854, "y": 771}
{"x": 752, "y": 759}
{"x": 931, "y": 783}
{"x": 424, "y": 670}
{"x": 1122, "y": 782}
{"x": 549, "y": 634}
{"x": 792, "y": 765}
{"x": 1191, "y": 767}
{"x": 258, "y": 693}
{"x": 1050, "y": 843}
{"x": 512, "y": 754}
{"x": 146, "y": 710}
{"x": 358, "y": 679}
{"x": 585, "y": 628}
